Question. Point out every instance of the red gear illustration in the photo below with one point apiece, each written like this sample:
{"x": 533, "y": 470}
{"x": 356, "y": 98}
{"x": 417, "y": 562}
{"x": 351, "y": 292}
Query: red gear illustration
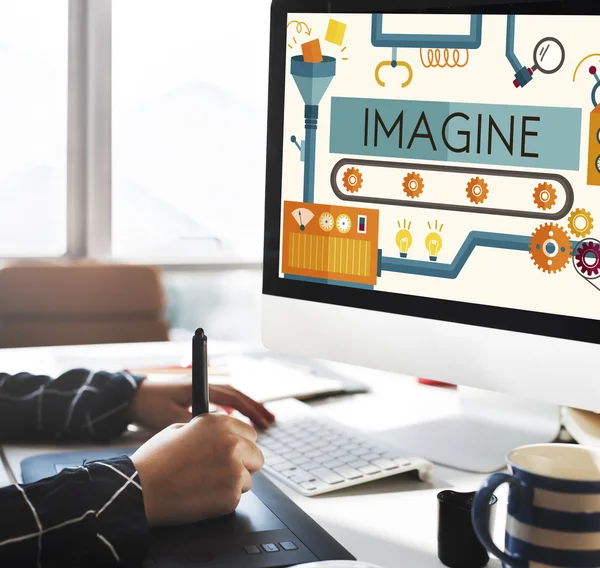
{"x": 353, "y": 180}
{"x": 413, "y": 185}
{"x": 550, "y": 248}
{"x": 587, "y": 258}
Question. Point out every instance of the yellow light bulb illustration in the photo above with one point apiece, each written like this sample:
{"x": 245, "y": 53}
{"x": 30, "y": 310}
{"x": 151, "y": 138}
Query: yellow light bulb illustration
{"x": 404, "y": 239}
{"x": 434, "y": 241}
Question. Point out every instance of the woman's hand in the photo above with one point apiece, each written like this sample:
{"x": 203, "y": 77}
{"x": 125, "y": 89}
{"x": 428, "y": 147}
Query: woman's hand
{"x": 158, "y": 404}
{"x": 196, "y": 471}
{"x": 228, "y": 397}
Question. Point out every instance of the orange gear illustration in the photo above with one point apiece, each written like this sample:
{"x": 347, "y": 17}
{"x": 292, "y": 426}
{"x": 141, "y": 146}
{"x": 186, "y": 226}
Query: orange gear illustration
{"x": 353, "y": 180}
{"x": 581, "y": 223}
{"x": 550, "y": 248}
{"x": 477, "y": 190}
{"x": 544, "y": 196}
{"x": 413, "y": 185}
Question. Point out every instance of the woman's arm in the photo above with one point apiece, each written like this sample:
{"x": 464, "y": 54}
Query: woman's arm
{"x": 80, "y": 405}
{"x": 90, "y": 516}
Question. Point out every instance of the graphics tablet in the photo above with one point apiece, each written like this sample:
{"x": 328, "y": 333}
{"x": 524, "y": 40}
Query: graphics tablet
{"x": 267, "y": 530}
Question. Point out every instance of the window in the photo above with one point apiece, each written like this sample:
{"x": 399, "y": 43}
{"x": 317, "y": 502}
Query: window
{"x": 157, "y": 111}
{"x": 225, "y": 302}
{"x": 33, "y": 127}
{"x": 189, "y": 103}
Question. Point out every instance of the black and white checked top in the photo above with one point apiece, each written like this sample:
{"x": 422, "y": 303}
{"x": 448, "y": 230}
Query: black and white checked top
{"x": 90, "y": 516}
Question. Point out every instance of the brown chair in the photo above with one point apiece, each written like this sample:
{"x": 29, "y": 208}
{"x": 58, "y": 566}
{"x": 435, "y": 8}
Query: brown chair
{"x": 49, "y": 304}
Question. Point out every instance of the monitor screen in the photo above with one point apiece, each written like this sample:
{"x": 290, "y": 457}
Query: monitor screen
{"x": 443, "y": 165}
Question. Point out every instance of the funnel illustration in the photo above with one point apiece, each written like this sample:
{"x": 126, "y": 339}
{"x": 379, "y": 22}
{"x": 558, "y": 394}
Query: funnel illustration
{"x": 312, "y": 80}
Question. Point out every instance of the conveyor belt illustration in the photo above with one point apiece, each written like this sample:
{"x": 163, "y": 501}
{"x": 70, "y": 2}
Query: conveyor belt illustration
{"x": 474, "y": 239}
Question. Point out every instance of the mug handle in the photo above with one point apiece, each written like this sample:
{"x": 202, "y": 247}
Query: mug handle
{"x": 481, "y": 515}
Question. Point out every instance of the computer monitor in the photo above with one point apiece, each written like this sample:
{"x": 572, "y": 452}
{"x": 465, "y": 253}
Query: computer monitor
{"x": 433, "y": 204}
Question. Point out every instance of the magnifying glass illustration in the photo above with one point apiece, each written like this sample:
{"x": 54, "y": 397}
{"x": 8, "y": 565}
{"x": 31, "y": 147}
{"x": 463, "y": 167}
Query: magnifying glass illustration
{"x": 548, "y": 56}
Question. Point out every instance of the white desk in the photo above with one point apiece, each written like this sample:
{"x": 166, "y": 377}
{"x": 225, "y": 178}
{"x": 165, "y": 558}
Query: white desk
{"x": 389, "y": 523}
{"x": 4, "y": 478}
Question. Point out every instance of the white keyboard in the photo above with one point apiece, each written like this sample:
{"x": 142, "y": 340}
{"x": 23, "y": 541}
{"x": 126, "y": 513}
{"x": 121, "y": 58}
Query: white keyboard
{"x": 316, "y": 455}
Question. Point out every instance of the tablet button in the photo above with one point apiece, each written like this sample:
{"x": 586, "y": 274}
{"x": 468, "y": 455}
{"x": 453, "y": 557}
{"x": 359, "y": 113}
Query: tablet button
{"x": 252, "y": 549}
{"x": 270, "y": 548}
{"x": 288, "y": 545}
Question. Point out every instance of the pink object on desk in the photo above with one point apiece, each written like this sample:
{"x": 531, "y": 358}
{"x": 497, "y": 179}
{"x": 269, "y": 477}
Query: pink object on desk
{"x": 431, "y": 383}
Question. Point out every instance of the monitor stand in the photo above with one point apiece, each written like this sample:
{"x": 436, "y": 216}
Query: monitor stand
{"x": 478, "y": 439}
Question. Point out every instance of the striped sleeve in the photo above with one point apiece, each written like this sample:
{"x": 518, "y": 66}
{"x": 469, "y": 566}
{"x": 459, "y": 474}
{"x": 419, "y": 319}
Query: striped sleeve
{"x": 80, "y": 405}
{"x": 89, "y": 516}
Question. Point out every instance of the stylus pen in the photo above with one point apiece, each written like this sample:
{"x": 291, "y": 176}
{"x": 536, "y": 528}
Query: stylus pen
{"x": 199, "y": 374}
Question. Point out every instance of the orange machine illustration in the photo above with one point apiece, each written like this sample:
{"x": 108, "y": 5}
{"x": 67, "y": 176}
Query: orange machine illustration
{"x": 334, "y": 243}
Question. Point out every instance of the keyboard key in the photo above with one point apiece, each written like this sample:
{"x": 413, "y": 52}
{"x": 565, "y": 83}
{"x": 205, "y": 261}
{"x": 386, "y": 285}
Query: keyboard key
{"x": 281, "y": 467}
{"x": 349, "y": 447}
{"x": 310, "y": 466}
{"x": 301, "y": 460}
{"x": 358, "y": 463}
{"x": 291, "y": 456}
{"x": 338, "y": 453}
{"x": 370, "y": 457}
{"x": 385, "y": 464}
{"x": 274, "y": 460}
{"x": 270, "y": 548}
{"x": 322, "y": 458}
{"x": 288, "y": 545}
{"x": 332, "y": 463}
{"x": 329, "y": 450}
{"x": 320, "y": 444}
{"x": 359, "y": 452}
{"x": 303, "y": 448}
{"x": 309, "y": 486}
{"x": 400, "y": 460}
{"x": 348, "y": 472}
{"x": 303, "y": 436}
{"x": 313, "y": 454}
{"x": 301, "y": 476}
{"x": 369, "y": 469}
{"x": 327, "y": 476}
{"x": 290, "y": 472}
{"x": 348, "y": 458}
{"x": 252, "y": 549}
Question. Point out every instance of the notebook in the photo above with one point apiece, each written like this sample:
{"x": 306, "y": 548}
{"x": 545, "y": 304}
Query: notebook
{"x": 268, "y": 378}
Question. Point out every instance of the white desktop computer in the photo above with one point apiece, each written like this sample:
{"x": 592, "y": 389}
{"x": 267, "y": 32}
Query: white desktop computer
{"x": 433, "y": 206}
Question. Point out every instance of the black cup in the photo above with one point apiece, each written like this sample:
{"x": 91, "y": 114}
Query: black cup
{"x": 458, "y": 545}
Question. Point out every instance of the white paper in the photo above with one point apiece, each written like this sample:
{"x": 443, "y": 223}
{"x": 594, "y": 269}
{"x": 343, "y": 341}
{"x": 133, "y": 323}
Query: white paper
{"x": 337, "y": 564}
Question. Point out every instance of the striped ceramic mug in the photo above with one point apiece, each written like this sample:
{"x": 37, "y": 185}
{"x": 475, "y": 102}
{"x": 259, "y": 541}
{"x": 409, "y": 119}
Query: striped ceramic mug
{"x": 553, "y": 507}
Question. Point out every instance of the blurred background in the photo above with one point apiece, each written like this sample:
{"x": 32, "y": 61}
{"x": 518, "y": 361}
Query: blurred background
{"x": 133, "y": 134}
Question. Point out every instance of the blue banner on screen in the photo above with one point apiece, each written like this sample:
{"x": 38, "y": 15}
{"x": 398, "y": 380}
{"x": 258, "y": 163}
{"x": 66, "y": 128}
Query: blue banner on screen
{"x": 500, "y": 135}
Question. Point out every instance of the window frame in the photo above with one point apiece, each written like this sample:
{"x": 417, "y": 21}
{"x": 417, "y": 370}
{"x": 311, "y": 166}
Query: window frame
{"x": 89, "y": 149}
